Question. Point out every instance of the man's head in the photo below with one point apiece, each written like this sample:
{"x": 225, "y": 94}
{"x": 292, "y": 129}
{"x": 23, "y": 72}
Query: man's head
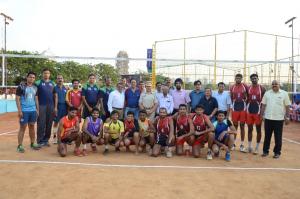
{"x": 46, "y": 74}
{"x": 92, "y": 78}
{"x": 221, "y": 86}
{"x": 220, "y": 115}
{"x": 168, "y": 82}
{"x": 148, "y": 87}
{"x": 95, "y": 113}
{"x": 178, "y": 83}
{"x": 182, "y": 109}
{"x": 142, "y": 85}
{"x": 30, "y": 77}
{"x": 59, "y": 79}
{"x": 120, "y": 86}
{"x": 114, "y": 115}
{"x": 207, "y": 92}
{"x": 238, "y": 78}
{"x": 124, "y": 81}
{"x": 72, "y": 112}
{"x": 107, "y": 81}
{"x": 197, "y": 85}
{"x": 165, "y": 89}
{"x": 254, "y": 78}
{"x": 158, "y": 86}
{"x": 199, "y": 109}
{"x": 163, "y": 112}
{"x": 143, "y": 115}
{"x": 133, "y": 83}
{"x": 75, "y": 83}
{"x": 130, "y": 116}
{"x": 275, "y": 86}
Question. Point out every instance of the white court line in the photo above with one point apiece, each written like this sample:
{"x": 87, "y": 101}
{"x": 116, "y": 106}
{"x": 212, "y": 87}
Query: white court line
{"x": 149, "y": 166}
{"x": 9, "y": 132}
{"x": 291, "y": 141}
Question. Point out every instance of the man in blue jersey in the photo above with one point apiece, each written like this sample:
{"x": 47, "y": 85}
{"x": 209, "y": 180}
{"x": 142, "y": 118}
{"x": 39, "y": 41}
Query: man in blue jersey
{"x": 90, "y": 96}
{"x": 224, "y": 135}
{"x": 106, "y": 90}
{"x": 46, "y": 108}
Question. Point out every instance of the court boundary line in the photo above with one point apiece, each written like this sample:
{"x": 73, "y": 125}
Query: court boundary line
{"x": 8, "y": 132}
{"x": 149, "y": 166}
{"x": 291, "y": 141}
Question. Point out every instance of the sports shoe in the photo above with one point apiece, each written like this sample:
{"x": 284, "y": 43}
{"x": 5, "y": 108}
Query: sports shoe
{"x": 249, "y": 150}
{"x": 105, "y": 152}
{"x": 209, "y": 156}
{"x": 276, "y": 156}
{"x": 255, "y": 151}
{"x": 264, "y": 155}
{"x": 227, "y": 156}
{"x": 169, "y": 154}
{"x": 35, "y": 146}
{"x": 84, "y": 152}
{"x": 243, "y": 149}
{"x": 233, "y": 147}
{"x": 20, "y": 149}
{"x": 77, "y": 152}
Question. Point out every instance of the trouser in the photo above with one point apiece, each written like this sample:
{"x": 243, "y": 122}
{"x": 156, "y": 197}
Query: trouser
{"x": 44, "y": 123}
{"x": 271, "y": 126}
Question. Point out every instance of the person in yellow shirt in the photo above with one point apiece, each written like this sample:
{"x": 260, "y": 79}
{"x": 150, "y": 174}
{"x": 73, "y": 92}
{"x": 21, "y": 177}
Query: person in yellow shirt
{"x": 113, "y": 129}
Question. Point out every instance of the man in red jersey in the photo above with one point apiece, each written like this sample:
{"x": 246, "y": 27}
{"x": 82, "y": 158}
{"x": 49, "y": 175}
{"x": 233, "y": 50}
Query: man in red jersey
{"x": 238, "y": 93}
{"x": 255, "y": 95}
{"x": 73, "y": 97}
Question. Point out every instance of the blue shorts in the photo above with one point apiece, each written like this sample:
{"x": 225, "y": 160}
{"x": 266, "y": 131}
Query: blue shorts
{"x": 224, "y": 138}
{"x": 61, "y": 112}
{"x": 29, "y": 117}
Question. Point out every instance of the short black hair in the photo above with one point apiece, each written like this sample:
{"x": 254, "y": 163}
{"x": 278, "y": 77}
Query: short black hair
{"x": 200, "y": 106}
{"x": 95, "y": 109}
{"x": 207, "y": 88}
{"x": 46, "y": 69}
{"x": 197, "y": 82}
{"x": 178, "y": 80}
{"x": 130, "y": 113}
{"x": 72, "y": 108}
{"x": 114, "y": 112}
{"x": 92, "y": 74}
{"x": 157, "y": 83}
{"x": 143, "y": 111}
{"x": 253, "y": 75}
{"x": 75, "y": 80}
{"x": 221, "y": 83}
{"x": 183, "y": 105}
{"x": 31, "y": 73}
{"x": 239, "y": 75}
{"x": 163, "y": 108}
{"x": 221, "y": 112}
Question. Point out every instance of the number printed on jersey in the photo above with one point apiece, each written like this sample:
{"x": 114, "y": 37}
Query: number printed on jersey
{"x": 254, "y": 97}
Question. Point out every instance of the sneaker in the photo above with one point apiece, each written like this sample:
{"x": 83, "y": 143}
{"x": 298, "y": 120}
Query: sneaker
{"x": 169, "y": 154}
{"x": 232, "y": 148}
{"x": 77, "y": 152}
{"x": 227, "y": 157}
{"x": 256, "y": 151}
{"x": 35, "y": 146}
{"x": 243, "y": 149}
{"x": 84, "y": 152}
{"x": 20, "y": 149}
{"x": 43, "y": 144}
{"x": 276, "y": 156}
{"x": 249, "y": 149}
{"x": 209, "y": 156}
{"x": 105, "y": 152}
{"x": 264, "y": 155}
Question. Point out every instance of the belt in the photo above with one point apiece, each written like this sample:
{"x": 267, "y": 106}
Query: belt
{"x": 117, "y": 108}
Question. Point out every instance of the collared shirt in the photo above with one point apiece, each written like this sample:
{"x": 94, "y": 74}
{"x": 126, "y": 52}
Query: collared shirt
{"x": 157, "y": 94}
{"x": 148, "y": 100}
{"x": 45, "y": 92}
{"x": 275, "y": 104}
{"x": 166, "y": 102}
{"x": 195, "y": 98}
{"x": 105, "y": 92}
{"x": 180, "y": 97}
{"x": 210, "y": 104}
{"x": 132, "y": 98}
{"x": 61, "y": 93}
{"x": 91, "y": 93}
{"x": 116, "y": 100}
{"x": 223, "y": 99}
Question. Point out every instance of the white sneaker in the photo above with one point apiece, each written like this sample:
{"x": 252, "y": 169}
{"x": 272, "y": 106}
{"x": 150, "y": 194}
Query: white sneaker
{"x": 256, "y": 151}
{"x": 169, "y": 154}
{"x": 242, "y": 149}
{"x": 209, "y": 155}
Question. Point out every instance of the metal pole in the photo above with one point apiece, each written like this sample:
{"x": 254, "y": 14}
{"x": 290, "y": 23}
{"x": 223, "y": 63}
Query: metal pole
{"x": 184, "y": 63}
{"x": 3, "y": 57}
{"x": 215, "y": 64}
{"x": 293, "y": 70}
{"x": 245, "y": 55}
{"x": 275, "y": 63}
{"x": 153, "y": 65}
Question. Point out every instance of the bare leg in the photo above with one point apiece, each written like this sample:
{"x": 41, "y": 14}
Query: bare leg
{"x": 21, "y": 134}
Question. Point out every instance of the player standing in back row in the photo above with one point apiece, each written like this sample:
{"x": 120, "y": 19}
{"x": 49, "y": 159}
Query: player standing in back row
{"x": 238, "y": 93}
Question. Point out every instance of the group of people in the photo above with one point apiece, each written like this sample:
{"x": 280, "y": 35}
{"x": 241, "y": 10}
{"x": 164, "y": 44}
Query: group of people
{"x": 160, "y": 122}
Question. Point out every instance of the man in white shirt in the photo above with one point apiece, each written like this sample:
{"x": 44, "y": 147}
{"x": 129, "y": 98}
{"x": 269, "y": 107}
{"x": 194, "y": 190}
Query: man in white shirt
{"x": 223, "y": 99}
{"x": 116, "y": 100}
{"x": 165, "y": 100}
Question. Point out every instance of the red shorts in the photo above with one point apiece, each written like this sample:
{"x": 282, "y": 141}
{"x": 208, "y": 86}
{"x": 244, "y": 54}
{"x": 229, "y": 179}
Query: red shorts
{"x": 202, "y": 139}
{"x": 253, "y": 119}
{"x": 238, "y": 116}
{"x": 181, "y": 141}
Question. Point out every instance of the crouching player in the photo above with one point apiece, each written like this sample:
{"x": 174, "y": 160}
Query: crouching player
{"x": 203, "y": 132}
{"x": 224, "y": 135}
{"x": 146, "y": 133}
{"x": 92, "y": 131}
{"x": 184, "y": 129}
{"x": 131, "y": 131}
{"x": 164, "y": 133}
{"x": 68, "y": 131}
{"x": 112, "y": 130}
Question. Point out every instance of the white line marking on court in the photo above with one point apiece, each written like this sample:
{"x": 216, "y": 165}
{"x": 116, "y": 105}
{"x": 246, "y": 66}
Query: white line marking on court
{"x": 9, "y": 132}
{"x": 148, "y": 166}
{"x": 291, "y": 141}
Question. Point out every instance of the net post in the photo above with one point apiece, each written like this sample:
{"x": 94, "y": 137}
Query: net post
{"x": 245, "y": 55}
{"x": 153, "y": 77}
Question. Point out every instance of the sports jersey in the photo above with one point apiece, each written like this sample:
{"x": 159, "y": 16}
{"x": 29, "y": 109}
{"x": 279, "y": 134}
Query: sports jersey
{"x": 221, "y": 126}
{"x": 61, "y": 93}
{"x": 238, "y": 92}
{"x": 115, "y": 129}
{"x": 131, "y": 126}
{"x": 45, "y": 92}
{"x": 67, "y": 124}
{"x": 144, "y": 126}
{"x": 74, "y": 97}
{"x": 91, "y": 93}
{"x": 199, "y": 122}
{"x": 27, "y": 97}
{"x": 254, "y": 99}
{"x": 162, "y": 126}
{"x": 94, "y": 127}
{"x": 182, "y": 125}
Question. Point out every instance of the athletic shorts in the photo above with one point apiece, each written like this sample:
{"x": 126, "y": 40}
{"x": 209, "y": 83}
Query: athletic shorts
{"x": 202, "y": 139}
{"x": 162, "y": 140}
{"x": 224, "y": 138}
{"x": 238, "y": 116}
{"x": 88, "y": 138}
{"x": 181, "y": 141}
{"x": 61, "y": 112}
{"x": 113, "y": 141}
{"x": 147, "y": 139}
{"x": 66, "y": 140}
{"x": 29, "y": 117}
{"x": 253, "y": 119}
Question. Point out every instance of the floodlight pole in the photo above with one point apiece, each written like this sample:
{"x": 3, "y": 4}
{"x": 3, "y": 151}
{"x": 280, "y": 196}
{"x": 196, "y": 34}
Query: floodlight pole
{"x": 294, "y": 84}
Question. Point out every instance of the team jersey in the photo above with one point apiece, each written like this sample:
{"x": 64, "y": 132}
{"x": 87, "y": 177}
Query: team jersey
{"x": 220, "y": 127}
{"x": 67, "y": 124}
{"x": 199, "y": 122}
{"x": 182, "y": 125}
{"x": 115, "y": 129}
{"x": 238, "y": 97}
{"x": 61, "y": 93}
{"x": 131, "y": 126}
{"x": 162, "y": 126}
{"x": 254, "y": 99}
{"x": 74, "y": 97}
{"x": 94, "y": 127}
{"x": 144, "y": 126}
